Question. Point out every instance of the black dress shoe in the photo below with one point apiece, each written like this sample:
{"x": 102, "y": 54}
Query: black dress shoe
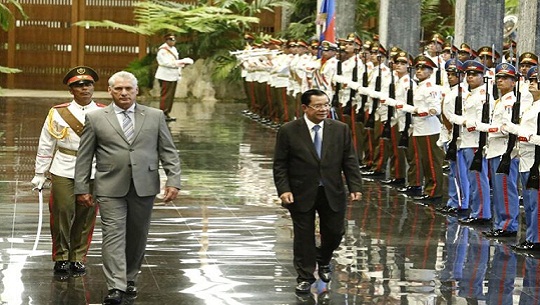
{"x": 394, "y": 181}
{"x": 373, "y": 173}
{"x": 325, "y": 273}
{"x": 446, "y": 209}
{"x": 78, "y": 267}
{"x": 170, "y": 119}
{"x": 323, "y": 298}
{"x": 475, "y": 221}
{"x": 426, "y": 197}
{"x": 364, "y": 167}
{"x": 61, "y": 267}
{"x": 527, "y": 246}
{"x": 499, "y": 233}
{"x": 114, "y": 296}
{"x": 303, "y": 287}
{"x": 131, "y": 289}
{"x": 411, "y": 190}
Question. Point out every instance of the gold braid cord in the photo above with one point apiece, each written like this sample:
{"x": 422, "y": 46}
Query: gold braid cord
{"x": 52, "y": 127}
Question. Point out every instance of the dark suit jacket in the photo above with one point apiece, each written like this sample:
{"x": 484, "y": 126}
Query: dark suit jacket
{"x": 118, "y": 162}
{"x": 297, "y": 167}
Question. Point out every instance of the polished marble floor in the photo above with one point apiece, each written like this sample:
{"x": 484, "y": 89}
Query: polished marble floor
{"x": 226, "y": 240}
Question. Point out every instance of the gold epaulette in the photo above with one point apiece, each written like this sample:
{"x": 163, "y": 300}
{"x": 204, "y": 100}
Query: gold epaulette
{"x": 51, "y": 128}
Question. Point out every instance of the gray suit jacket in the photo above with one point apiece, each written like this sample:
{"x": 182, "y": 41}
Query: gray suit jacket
{"x": 118, "y": 162}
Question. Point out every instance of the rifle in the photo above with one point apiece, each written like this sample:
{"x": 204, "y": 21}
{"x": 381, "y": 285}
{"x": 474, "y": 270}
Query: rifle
{"x": 438, "y": 80}
{"x": 404, "y": 139}
{"x": 361, "y": 112}
{"x": 370, "y": 124}
{"x": 494, "y": 85}
{"x": 506, "y": 159}
{"x": 349, "y": 107}
{"x": 534, "y": 173}
{"x": 451, "y": 152}
{"x": 387, "y": 129}
{"x": 335, "y": 97}
{"x": 476, "y": 164}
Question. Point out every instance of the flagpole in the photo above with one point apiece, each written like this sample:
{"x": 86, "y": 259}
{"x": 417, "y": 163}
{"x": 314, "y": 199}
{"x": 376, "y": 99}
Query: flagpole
{"x": 318, "y": 27}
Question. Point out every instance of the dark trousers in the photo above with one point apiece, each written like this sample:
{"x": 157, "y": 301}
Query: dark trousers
{"x": 167, "y": 96}
{"x": 72, "y": 224}
{"x": 332, "y": 228}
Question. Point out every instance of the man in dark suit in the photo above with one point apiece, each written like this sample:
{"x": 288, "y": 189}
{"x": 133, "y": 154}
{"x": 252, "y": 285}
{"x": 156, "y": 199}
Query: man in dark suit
{"x": 128, "y": 140}
{"x": 311, "y": 155}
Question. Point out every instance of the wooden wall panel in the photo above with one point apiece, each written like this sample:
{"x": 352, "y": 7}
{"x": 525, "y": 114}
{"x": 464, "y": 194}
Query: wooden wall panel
{"x": 46, "y": 45}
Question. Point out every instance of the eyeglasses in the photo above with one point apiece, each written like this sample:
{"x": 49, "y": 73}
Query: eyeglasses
{"x": 320, "y": 106}
{"x": 171, "y": 39}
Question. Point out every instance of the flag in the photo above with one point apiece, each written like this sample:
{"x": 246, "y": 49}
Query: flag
{"x": 327, "y": 19}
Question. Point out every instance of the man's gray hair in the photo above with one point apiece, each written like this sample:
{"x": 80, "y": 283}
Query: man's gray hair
{"x": 123, "y": 75}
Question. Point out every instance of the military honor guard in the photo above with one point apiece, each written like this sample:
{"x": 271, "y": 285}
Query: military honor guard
{"x": 504, "y": 185}
{"x": 475, "y": 190}
{"x": 427, "y": 127}
{"x": 527, "y": 132}
{"x": 458, "y": 182}
{"x": 71, "y": 224}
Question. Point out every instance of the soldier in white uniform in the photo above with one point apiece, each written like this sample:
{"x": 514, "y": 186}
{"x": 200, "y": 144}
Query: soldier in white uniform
{"x": 168, "y": 72}
{"x": 527, "y": 132}
{"x": 427, "y": 127}
{"x": 474, "y": 185}
{"x": 434, "y": 51}
{"x": 379, "y": 111}
{"x": 71, "y": 224}
{"x": 458, "y": 184}
{"x": 504, "y": 186}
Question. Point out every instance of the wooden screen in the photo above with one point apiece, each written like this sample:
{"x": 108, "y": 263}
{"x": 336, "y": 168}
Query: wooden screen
{"x": 46, "y": 45}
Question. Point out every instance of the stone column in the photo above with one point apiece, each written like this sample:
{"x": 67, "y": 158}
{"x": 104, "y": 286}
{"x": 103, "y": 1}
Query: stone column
{"x": 399, "y": 25}
{"x": 528, "y": 26}
{"x": 479, "y": 23}
{"x": 345, "y": 15}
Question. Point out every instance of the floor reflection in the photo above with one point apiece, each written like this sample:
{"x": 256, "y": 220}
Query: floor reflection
{"x": 226, "y": 240}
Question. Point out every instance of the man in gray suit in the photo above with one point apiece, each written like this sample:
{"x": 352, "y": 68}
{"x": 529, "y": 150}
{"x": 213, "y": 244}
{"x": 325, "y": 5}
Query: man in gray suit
{"x": 128, "y": 140}
{"x": 312, "y": 155}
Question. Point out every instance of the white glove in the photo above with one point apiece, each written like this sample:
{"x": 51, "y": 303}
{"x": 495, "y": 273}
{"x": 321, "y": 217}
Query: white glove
{"x": 511, "y": 128}
{"x": 535, "y": 139}
{"x": 185, "y": 61}
{"x": 340, "y": 79}
{"x": 38, "y": 181}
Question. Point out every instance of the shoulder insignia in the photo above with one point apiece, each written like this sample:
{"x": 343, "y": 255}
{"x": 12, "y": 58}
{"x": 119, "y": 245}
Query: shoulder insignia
{"x": 509, "y": 97}
{"x": 482, "y": 91}
{"x": 62, "y": 105}
{"x": 428, "y": 84}
{"x": 405, "y": 80}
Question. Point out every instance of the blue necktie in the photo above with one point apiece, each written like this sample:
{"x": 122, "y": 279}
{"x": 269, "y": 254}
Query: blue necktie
{"x": 317, "y": 140}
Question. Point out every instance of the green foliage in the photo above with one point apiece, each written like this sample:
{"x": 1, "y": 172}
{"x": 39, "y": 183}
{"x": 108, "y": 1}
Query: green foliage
{"x": 431, "y": 18}
{"x": 511, "y": 6}
{"x": 144, "y": 70}
{"x": 7, "y": 17}
{"x": 299, "y": 30}
{"x": 9, "y": 70}
{"x": 211, "y": 30}
{"x": 366, "y": 10}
